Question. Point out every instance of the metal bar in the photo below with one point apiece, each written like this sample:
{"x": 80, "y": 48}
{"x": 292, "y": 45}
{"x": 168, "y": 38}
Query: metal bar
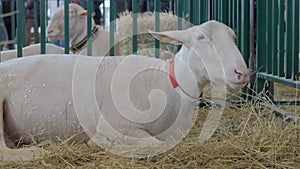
{"x": 126, "y": 5}
{"x": 43, "y": 26}
{"x": 261, "y": 42}
{"x": 224, "y": 9}
{"x": 238, "y": 23}
{"x": 203, "y": 12}
{"x": 269, "y": 37}
{"x": 157, "y": 4}
{"x": 213, "y": 12}
{"x": 217, "y": 10}
{"x": 219, "y": 17}
{"x": 281, "y": 39}
{"x": 289, "y": 39}
{"x": 66, "y": 24}
{"x": 296, "y": 39}
{"x": 1, "y": 26}
{"x": 234, "y": 15}
{"x": 245, "y": 35}
{"x": 209, "y": 10}
{"x": 286, "y": 116}
{"x": 12, "y": 21}
{"x": 112, "y": 25}
{"x": 188, "y": 10}
{"x": 281, "y": 80}
{"x": 245, "y": 24}
{"x": 170, "y": 6}
{"x": 89, "y": 27}
{"x": 275, "y": 38}
{"x": 191, "y": 11}
{"x": 46, "y": 11}
{"x": 195, "y": 6}
{"x": 179, "y": 17}
{"x": 148, "y": 5}
{"x": 179, "y": 14}
{"x": 134, "y": 25}
{"x": 230, "y": 13}
{"x": 22, "y": 9}
{"x": 20, "y": 17}
{"x": 287, "y": 102}
{"x": 252, "y": 56}
{"x": 104, "y": 13}
{"x": 35, "y": 20}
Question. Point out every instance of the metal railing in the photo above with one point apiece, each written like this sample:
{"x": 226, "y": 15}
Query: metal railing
{"x": 277, "y": 43}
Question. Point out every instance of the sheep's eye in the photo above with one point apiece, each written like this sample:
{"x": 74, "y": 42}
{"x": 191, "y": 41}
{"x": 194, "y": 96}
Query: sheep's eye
{"x": 200, "y": 37}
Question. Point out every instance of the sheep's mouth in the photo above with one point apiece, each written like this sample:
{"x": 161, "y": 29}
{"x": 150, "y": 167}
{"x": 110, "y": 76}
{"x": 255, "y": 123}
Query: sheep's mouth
{"x": 238, "y": 84}
{"x": 52, "y": 37}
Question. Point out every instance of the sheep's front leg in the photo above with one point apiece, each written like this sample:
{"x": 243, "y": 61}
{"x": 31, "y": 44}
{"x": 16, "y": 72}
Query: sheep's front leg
{"x": 142, "y": 137}
{"x": 138, "y": 143}
{"x": 131, "y": 136}
{"x": 7, "y": 154}
{"x": 23, "y": 154}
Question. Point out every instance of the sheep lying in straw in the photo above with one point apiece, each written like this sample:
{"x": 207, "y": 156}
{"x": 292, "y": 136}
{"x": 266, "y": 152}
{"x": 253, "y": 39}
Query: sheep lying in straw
{"x": 146, "y": 22}
{"x": 78, "y": 32}
{"x": 131, "y": 100}
{"x": 31, "y": 50}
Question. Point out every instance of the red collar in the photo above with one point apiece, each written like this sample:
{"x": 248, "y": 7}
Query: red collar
{"x": 176, "y": 86}
{"x": 185, "y": 95}
{"x": 172, "y": 74}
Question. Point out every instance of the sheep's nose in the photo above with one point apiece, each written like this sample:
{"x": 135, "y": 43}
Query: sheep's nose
{"x": 49, "y": 31}
{"x": 241, "y": 75}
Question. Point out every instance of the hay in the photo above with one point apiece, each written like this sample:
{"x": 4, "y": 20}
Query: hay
{"x": 249, "y": 136}
{"x": 145, "y": 41}
{"x": 283, "y": 92}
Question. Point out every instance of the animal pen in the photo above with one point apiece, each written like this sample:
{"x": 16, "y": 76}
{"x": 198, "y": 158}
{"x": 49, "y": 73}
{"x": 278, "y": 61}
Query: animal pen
{"x": 267, "y": 32}
{"x": 267, "y": 36}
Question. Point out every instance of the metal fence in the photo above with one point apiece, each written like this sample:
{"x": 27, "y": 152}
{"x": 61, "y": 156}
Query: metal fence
{"x": 277, "y": 43}
{"x": 267, "y": 31}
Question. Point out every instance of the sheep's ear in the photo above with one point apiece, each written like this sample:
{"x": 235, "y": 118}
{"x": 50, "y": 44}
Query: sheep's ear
{"x": 172, "y": 37}
{"x": 82, "y": 12}
{"x": 77, "y": 10}
{"x": 231, "y": 32}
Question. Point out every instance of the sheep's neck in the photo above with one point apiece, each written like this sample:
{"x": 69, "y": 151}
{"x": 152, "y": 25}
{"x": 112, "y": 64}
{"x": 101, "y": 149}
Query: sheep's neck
{"x": 82, "y": 33}
{"x": 189, "y": 76}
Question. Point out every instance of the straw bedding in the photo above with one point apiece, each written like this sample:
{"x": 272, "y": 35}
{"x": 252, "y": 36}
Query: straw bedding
{"x": 145, "y": 41}
{"x": 248, "y": 136}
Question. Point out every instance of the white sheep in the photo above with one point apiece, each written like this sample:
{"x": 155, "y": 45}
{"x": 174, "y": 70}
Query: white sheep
{"x": 31, "y": 50}
{"x": 78, "y": 32}
{"x": 131, "y": 100}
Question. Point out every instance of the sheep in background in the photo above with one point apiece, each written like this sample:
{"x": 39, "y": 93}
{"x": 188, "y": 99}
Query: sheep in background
{"x": 130, "y": 100}
{"x": 78, "y": 32}
{"x": 31, "y": 50}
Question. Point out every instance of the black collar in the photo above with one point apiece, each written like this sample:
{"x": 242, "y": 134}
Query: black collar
{"x": 82, "y": 44}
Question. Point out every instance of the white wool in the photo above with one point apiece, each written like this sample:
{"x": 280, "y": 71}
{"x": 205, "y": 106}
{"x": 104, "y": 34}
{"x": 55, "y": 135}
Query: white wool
{"x": 30, "y": 50}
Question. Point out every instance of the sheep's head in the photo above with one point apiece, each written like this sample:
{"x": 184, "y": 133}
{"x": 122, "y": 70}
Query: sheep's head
{"x": 210, "y": 45}
{"x": 77, "y": 20}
